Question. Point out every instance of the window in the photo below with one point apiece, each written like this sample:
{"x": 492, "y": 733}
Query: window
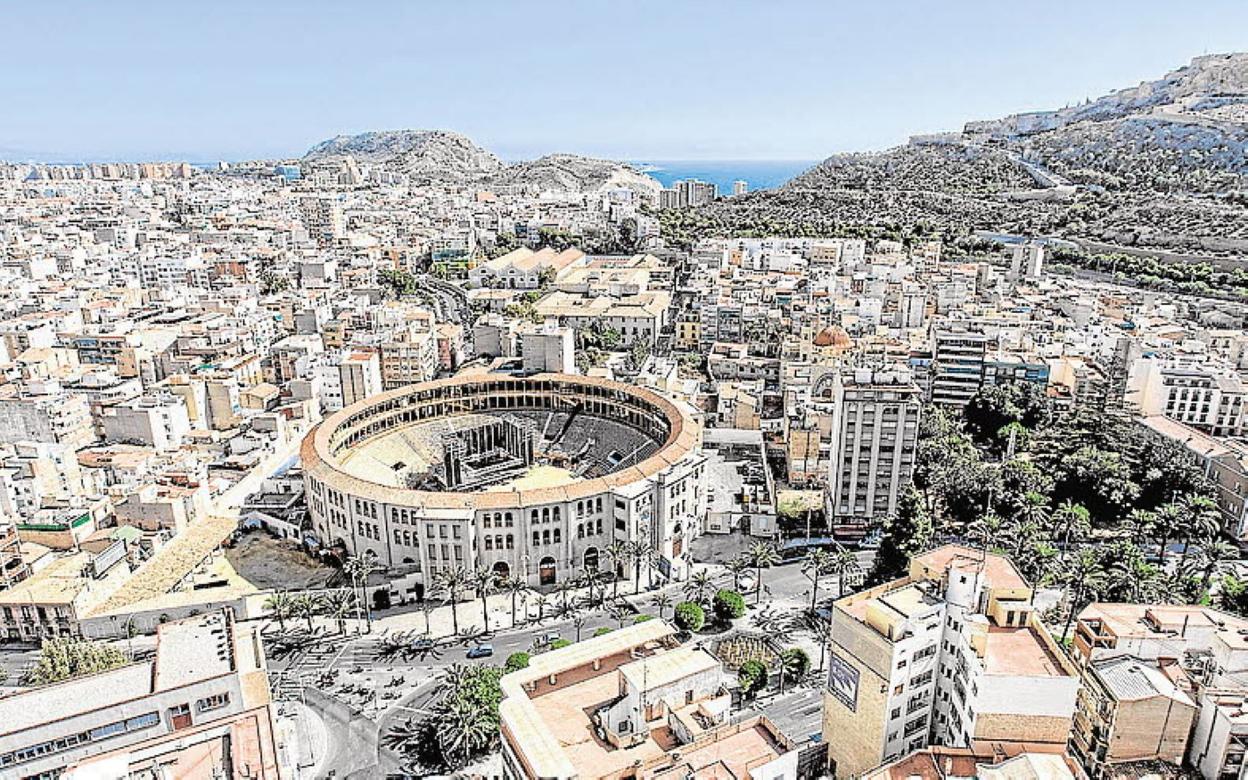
{"x": 214, "y": 702}
{"x": 180, "y": 717}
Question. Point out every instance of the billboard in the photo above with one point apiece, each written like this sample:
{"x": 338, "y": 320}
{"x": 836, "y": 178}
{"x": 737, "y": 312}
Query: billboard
{"x": 843, "y": 681}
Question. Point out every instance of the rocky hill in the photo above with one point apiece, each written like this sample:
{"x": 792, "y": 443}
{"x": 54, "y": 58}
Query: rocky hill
{"x": 1162, "y": 165}
{"x": 573, "y": 173}
{"x": 425, "y": 155}
{"x": 444, "y": 157}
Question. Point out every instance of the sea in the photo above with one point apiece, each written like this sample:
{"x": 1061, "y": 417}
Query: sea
{"x": 758, "y": 174}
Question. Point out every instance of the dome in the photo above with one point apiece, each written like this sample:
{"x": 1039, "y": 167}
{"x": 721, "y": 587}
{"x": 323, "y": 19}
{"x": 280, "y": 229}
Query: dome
{"x": 833, "y": 336}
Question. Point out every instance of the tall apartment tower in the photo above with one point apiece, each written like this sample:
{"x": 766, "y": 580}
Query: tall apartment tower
{"x": 875, "y": 428}
{"x": 1027, "y": 262}
{"x": 740, "y": 187}
{"x": 957, "y": 365}
{"x": 952, "y": 654}
{"x": 911, "y": 307}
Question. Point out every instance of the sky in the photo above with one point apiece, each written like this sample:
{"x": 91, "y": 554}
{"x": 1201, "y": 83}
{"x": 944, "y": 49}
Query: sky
{"x": 625, "y": 79}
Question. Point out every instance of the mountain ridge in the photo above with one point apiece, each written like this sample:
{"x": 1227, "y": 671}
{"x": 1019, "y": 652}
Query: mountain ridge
{"x": 448, "y": 157}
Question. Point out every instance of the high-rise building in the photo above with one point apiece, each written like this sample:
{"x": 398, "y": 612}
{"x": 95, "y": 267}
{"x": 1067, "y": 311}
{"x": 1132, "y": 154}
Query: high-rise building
{"x": 688, "y": 192}
{"x": 952, "y": 654}
{"x": 875, "y": 428}
{"x": 323, "y": 218}
{"x": 957, "y": 365}
{"x": 740, "y": 187}
{"x": 1027, "y": 261}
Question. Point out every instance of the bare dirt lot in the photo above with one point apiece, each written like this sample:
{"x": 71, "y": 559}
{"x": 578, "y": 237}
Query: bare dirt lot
{"x": 276, "y": 563}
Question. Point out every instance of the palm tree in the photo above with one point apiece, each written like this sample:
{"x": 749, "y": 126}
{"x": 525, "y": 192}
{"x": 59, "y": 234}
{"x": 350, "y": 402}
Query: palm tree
{"x": 305, "y": 605}
{"x": 617, "y": 553}
{"x": 1138, "y": 524}
{"x": 563, "y": 589}
{"x": 543, "y": 601}
{"x": 814, "y": 564}
{"x": 1072, "y": 520}
{"x": 358, "y": 567}
{"x": 844, "y": 564}
{"x": 450, "y": 580}
{"x": 1087, "y": 576}
{"x": 640, "y": 553}
{"x": 338, "y": 604}
{"x": 1212, "y": 555}
{"x": 662, "y": 601}
{"x": 1166, "y": 520}
{"x": 483, "y": 582}
{"x": 736, "y": 567}
{"x": 986, "y": 529}
{"x": 700, "y": 586}
{"x": 578, "y": 623}
{"x": 278, "y": 606}
{"x": 762, "y": 555}
{"x": 515, "y": 587}
{"x": 1201, "y": 521}
{"x": 464, "y": 727}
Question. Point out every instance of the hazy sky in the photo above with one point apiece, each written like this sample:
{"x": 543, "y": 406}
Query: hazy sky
{"x": 212, "y": 79}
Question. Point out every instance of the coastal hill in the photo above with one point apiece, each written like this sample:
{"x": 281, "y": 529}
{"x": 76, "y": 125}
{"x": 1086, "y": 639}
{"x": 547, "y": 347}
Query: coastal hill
{"x": 445, "y": 157}
{"x": 433, "y": 155}
{"x": 1162, "y": 165}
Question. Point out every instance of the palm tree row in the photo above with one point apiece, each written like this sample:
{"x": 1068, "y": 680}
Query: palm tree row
{"x": 336, "y": 604}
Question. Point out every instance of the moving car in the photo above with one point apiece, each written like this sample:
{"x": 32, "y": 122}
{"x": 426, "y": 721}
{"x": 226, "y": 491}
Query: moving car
{"x": 481, "y": 651}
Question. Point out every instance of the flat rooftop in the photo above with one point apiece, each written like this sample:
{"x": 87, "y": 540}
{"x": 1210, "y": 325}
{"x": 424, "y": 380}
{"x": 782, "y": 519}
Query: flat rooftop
{"x": 1019, "y": 652}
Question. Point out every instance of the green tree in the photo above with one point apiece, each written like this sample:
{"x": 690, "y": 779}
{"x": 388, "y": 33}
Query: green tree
{"x": 689, "y": 616}
{"x": 905, "y": 534}
{"x": 728, "y": 605}
{"x": 339, "y": 604}
{"x": 516, "y": 661}
{"x": 278, "y": 607}
{"x": 736, "y": 567}
{"x": 450, "y": 581}
{"x": 752, "y": 677}
{"x": 515, "y": 587}
{"x": 306, "y": 606}
{"x": 617, "y": 554}
{"x": 483, "y": 581}
{"x": 358, "y": 568}
{"x": 465, "y": 722}
{"x": 815, "y": 563}
{"x": 65, "y": 659}
{"x": 762, "y": 556}
{"x": 662, "y": 601}
{"x": 844, "y": 564}
{"x": 794, "y": 664}
{"x": 700, "y": 586}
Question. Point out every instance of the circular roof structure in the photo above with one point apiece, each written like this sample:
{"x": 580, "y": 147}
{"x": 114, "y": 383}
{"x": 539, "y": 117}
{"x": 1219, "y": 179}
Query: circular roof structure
{"x": 588, "y": 435}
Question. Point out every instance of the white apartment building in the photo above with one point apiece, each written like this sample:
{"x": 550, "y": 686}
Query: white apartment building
{"x": 548, "y": 348}
{"x": 952, "y": 655}
{"x": 352, "y": 376}
{"x": 874, "y": 431}
{"x": 1205, "y": 395}
{"x": 199, "y": 708}
{"x": 323, "y": 218}
{"x": 957, "y": 365}
{"x": 161, "y": 422}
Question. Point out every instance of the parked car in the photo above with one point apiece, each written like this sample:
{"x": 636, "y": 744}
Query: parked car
{"x": 481, "y": 651}
{"x": 422, "y": 645}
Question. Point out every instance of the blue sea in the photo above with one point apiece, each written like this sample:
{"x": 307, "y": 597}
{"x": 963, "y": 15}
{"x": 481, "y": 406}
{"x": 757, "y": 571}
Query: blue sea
{"x": 759, "y": 174}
